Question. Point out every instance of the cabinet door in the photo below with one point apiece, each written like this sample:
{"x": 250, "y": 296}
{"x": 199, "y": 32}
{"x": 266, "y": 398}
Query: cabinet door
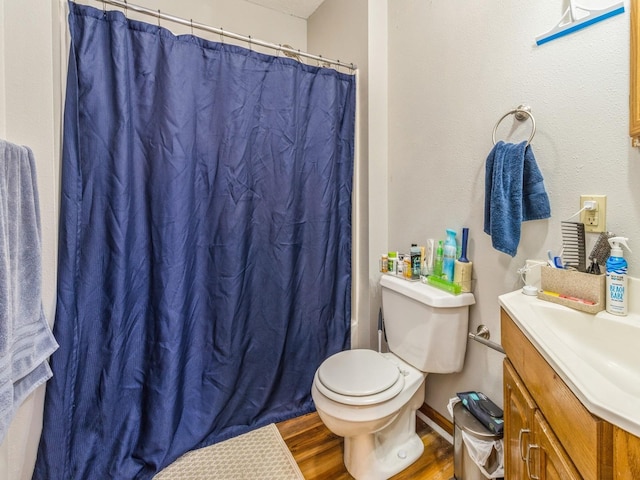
{"x": 546, "y": 459}
{"x": 634, "y": 87}
{"x": 626, "y": 449}
{"x": 518, "y": 422}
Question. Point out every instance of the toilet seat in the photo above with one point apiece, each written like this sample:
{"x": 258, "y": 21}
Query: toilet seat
{"x": 359, "y": 377}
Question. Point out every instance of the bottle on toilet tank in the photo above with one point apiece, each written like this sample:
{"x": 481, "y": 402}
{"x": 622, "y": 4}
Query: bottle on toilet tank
{"x": 392, "y": 263}
{"x": 439, "y": 259}
{"x": 449, "y": 255}
{"x": 415, "y": 261}
{"x": 407, "y": 266}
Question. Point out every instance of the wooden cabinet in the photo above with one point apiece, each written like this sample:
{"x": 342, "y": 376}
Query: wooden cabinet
{"x": 546, "y": 459}
{"x": 531, "y": 448}
{"x": 549, "y": 434}
{"x": 634, "y": 75}
{"x": 626, "y": 459}
{"x": 518, "y": 421}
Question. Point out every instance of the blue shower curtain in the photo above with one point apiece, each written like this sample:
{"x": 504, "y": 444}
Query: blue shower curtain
{"x": 205, "y": 245}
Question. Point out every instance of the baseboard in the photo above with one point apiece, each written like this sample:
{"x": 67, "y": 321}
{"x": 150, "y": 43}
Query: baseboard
{"x": 441, "y": 421}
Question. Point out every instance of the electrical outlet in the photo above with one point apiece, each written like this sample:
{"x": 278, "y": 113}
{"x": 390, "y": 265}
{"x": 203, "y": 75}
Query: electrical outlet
{"x": 594, "y": 220}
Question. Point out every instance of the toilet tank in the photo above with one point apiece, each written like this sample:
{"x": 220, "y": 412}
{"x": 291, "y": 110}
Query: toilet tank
{"x": 425, "y": 326}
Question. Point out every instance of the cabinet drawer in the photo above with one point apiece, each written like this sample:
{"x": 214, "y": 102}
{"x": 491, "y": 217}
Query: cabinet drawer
{"x": 586, "y": 438}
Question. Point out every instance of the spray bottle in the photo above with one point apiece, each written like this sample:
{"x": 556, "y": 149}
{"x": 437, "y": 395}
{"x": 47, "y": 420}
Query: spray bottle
{"x": 617, "y": 296}
{"x": 449, "y": 258}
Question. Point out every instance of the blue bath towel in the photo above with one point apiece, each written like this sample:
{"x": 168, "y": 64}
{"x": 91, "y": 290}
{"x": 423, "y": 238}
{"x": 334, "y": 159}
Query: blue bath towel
{"x": 26, "y": 340}
{"x": 514, "y": 193}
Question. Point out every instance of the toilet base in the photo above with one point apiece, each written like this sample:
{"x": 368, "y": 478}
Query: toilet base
{"x": 380, "y": 455}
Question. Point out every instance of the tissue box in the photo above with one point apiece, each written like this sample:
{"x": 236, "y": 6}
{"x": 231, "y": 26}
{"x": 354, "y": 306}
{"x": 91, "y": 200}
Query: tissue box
{"x": 571, "y": 283}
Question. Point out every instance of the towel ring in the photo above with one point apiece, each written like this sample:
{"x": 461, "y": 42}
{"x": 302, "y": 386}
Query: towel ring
{"x": 521, "y": 114}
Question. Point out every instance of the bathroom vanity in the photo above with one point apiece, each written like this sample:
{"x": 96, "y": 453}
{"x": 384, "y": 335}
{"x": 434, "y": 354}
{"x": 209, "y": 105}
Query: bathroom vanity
{"x": 571, "y": 401}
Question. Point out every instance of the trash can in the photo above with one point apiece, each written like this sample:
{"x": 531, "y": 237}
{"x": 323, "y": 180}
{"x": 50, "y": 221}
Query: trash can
{"x": 469, "y": 437}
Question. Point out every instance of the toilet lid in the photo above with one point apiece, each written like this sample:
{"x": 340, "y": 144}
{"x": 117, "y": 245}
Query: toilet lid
{"x": 359, "y": 373}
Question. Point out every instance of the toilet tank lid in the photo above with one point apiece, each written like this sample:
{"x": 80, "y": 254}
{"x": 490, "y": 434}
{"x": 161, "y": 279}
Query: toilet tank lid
{"x": 426, "y": 294}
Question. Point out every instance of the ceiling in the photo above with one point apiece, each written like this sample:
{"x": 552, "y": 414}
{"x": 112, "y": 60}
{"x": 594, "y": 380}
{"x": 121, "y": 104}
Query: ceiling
{"x": 297, "y": 8}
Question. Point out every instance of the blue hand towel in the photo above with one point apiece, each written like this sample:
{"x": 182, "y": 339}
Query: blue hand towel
{"x": 514, "y": 193}
{"x": 26, "y": 340}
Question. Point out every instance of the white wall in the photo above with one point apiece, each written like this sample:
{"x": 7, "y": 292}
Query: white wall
{"x": 31, "y": 58}
{"x": 3, "y": 108}
{"x": 378, "y": 126}
{"x": 348, "y": 41}
{"x": 455, "y": 67}
{"x": 27, "y": 105}
{"x": 237, "y": 16}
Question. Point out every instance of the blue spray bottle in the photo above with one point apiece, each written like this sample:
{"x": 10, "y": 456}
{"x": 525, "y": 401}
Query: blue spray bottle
{"x": 449, "y": 257}
{"x": 617, "y": 296}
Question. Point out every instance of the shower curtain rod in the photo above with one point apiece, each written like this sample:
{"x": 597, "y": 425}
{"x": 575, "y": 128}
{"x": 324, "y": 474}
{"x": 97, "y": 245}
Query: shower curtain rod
{"x": 290, "y": 52}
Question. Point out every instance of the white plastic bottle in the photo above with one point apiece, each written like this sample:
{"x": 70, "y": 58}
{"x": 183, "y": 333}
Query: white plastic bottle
{"x": 617, "y": 296}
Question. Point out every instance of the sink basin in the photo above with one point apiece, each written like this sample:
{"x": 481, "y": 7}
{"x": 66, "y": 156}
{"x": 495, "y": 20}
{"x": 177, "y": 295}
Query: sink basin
{"x": 609, "y": 345}
{"x": 597, "y": 356}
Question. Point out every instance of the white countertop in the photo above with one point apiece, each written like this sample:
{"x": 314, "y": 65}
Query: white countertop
{"x": 597, "y": 356}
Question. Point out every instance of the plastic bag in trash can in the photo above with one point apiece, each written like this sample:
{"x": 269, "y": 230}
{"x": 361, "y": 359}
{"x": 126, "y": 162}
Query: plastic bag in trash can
{"x": 480, "y": 450}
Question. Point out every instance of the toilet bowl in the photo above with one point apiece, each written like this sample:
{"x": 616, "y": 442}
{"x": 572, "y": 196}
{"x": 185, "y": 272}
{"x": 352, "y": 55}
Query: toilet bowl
{"x": 375, "y": 412}
{"x": 371, "y": 398}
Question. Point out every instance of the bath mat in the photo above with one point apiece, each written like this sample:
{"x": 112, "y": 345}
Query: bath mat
{"x": 260, "y": 454}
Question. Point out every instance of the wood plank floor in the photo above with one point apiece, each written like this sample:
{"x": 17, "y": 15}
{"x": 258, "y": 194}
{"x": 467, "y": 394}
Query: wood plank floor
{"x": 319, "y": 452}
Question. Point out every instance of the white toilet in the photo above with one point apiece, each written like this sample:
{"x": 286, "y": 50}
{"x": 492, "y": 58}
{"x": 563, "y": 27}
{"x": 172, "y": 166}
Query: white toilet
{"x": 371, "y": 398}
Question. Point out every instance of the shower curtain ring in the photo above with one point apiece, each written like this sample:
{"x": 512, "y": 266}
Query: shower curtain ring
{"x": 126, "y": 9}
{"x": 104, "y": 8}
{"x": 158, "y": 18}
{"x": 221, "y": 35}
{"x": 250, "y": 45}
{"x": 192, "y": 26}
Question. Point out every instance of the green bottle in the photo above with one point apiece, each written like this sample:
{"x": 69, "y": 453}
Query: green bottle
{"x": 392, "y": 259}
{"x": 437, "y": 265}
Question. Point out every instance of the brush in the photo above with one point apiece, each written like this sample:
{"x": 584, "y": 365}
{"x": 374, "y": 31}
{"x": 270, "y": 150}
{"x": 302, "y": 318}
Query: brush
{"x": 573, "y": 249}
{"x": 600, "y": 252}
